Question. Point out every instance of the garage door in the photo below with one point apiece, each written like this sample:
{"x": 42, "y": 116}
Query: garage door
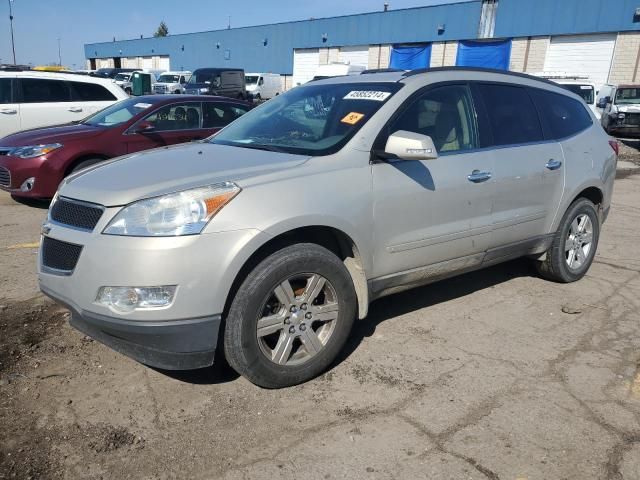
{"x": 147, "y": 63}
{"x": 164, "y": 63}
{"x": 358, "y": 55}
{"x": 305, "y": 64}
{"x": 589, "y": 55}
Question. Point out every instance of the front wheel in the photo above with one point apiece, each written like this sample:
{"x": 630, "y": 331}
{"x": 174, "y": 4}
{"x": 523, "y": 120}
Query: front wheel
{"x": 574, "y": 244}
{"x": 290, "y": 317}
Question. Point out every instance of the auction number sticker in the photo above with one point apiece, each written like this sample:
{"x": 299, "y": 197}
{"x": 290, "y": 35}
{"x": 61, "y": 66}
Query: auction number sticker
{"x": 352, "y": 118}
{"x": 367, "y": 95}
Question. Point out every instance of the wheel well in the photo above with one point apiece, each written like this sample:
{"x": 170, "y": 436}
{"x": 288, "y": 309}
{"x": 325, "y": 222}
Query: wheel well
{"x": 592, "y": 193}
{"x": 330, "y": 238}
{"x": 81, "y": 159}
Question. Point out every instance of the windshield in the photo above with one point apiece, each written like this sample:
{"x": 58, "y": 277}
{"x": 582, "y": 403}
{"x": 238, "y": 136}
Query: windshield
{"x": 309, "y": 120}
{"x": 627, "y": 96}
{"x": 117, "y": 113}
{"x": 203, "y": 77}
{"x": 122, "y": 77}
{"x": 251, "y": 79}
{"x": 169, "y": 79}
{"x": 586, "y": 91}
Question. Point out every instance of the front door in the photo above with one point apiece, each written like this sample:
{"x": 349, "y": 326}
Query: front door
{"x": 172, "y": 124}
{"x": 438, "y": 212}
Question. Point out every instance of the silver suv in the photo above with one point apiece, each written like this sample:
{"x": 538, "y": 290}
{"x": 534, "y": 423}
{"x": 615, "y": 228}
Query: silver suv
{"x": 272, "y": 236}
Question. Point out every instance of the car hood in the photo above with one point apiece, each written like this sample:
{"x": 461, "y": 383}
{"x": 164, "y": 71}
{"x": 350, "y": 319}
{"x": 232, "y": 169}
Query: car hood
{"x": 56, "y": 134}
{"x": 633, "y": 108}
{"x": 170, "y": 169}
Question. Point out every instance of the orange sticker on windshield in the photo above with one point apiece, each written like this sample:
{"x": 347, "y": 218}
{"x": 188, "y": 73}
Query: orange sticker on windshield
{"x": 352, "y": 118}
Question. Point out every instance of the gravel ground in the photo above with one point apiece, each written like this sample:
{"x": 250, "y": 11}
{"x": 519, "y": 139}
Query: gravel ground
{"x": 496, "y": 374}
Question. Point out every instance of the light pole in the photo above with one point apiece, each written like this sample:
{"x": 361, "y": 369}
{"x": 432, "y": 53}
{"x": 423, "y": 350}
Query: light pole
{"x": 13, "y": 45}
{"x": 59, "y": 54}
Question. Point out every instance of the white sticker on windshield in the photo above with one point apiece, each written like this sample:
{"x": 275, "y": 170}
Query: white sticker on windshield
{"x": 585, "y": 87}
{"x": 367, "y": 95}
{"x": 142, "y": 105}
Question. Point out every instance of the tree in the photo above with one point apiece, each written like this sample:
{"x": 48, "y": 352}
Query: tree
{"x": 162, "y": 31}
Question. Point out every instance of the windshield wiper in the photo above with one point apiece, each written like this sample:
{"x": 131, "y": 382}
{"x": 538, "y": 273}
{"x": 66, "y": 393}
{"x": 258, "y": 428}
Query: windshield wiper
{"x": 259, "y": 146}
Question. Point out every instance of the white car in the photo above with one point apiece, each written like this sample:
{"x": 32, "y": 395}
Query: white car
{"x": 31, "y": 99}
{"x": 171, "y": 82}
{"x": 263, "y": 86}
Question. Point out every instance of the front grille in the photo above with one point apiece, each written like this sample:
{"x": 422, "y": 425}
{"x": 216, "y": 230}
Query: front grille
{"x": 5, "y": 177}
{"x": 61, "y": 256}
{"x": 76, "y": 214}
{"x": 160, "y": 88}
{"x": 632, "y": 119}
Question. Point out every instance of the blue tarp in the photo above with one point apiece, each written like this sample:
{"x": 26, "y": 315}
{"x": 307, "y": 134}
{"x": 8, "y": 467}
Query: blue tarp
{"x": 410, "y": 57}
{"x": 484, "y": 54}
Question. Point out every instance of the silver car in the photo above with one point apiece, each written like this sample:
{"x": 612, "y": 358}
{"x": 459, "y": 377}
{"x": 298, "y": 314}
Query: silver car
{"x": 268, "y": 239}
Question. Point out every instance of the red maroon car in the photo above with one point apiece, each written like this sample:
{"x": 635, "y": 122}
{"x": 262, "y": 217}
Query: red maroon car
{"x": 34, "y": 162}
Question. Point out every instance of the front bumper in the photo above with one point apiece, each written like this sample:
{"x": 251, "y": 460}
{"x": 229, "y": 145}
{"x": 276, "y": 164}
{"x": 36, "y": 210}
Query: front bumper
{"x": 20, "y": 169}
{"x": 176, "y": 345}
{"x": 624, "y": 130}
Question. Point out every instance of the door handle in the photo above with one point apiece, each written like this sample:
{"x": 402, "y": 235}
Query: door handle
{"x": 8, "y": 111}
{"x": 477, "y": 176}
{"x": 553, "y": 164}
{"x": 75, "y": 109}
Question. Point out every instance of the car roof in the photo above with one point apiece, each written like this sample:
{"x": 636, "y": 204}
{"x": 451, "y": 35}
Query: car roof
{"x": 56, "y": 76}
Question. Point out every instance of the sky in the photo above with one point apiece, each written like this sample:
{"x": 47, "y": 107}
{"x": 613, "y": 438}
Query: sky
{"x": 38, "y": 24}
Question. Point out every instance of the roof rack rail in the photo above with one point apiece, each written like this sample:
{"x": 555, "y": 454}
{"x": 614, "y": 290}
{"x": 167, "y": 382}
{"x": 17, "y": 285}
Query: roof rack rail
{"x": 381, "y": 70}
{"x": 479, "y": 69}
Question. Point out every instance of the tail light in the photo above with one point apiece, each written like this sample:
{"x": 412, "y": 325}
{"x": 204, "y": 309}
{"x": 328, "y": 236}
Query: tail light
{"x": 615, "y": 146}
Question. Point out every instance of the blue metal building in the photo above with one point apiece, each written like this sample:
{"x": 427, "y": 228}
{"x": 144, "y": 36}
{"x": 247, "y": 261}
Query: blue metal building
{"x": 485, "y": 32}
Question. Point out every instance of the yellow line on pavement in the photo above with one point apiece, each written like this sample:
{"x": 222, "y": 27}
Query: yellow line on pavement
{"x": 24, "y": 245}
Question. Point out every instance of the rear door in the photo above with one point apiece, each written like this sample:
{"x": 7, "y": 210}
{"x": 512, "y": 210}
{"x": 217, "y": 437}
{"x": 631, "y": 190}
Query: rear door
{"x": 9, "y": 108}
{"x": 174, "y": 123}
{"x": 90, "y": 97}
{"x": 46, "y": 101}
{"x": 528, "y": 169}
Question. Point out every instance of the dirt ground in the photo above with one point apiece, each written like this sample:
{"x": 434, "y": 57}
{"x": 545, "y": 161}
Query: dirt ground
{"x": 497, "y": 374}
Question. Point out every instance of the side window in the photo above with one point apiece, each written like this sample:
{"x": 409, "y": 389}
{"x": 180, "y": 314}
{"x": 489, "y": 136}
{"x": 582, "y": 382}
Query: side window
{"x": 5, "y": 91}
{"x": 217, "y": 115}
{"x": 90, "y": 92}
{"x": 445, "y": 114}
{"x": 37, "y": 90}
{"x": 182, "y": 80}
{"x": 512, "y": 114}
{"x": 184, "y": 116}
{"x": 261, "y": 82}
{"x": 561, "y": 116}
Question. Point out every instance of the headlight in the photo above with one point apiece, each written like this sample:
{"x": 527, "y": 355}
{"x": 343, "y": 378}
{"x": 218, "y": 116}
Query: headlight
{"x": 32, "y": 151}
{"x": 180, "y": 213}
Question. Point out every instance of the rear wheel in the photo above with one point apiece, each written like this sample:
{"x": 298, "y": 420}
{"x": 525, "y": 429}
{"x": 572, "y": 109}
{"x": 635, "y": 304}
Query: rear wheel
{"x": 574, "y": 244}
{"x": 290, "y": 317}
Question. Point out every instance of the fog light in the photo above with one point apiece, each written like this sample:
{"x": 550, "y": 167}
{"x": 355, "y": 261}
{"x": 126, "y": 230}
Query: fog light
{"x": 128, "y": 299}
{"x": 621, "y": 116}
{"x": 28, "y": 184}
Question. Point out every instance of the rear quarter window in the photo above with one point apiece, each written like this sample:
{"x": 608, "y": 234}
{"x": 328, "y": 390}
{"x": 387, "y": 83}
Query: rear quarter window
{"x": 90, "y": 92}
{"x": 561, "y": 116}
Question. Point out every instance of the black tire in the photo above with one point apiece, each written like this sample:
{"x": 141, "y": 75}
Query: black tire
{"x": 554, "y": 266}
{"x": 241, "y": 345}
{"x": 177, "y": 92}
{"x": 128, "y": 91}
{"x": 85, "y": 164}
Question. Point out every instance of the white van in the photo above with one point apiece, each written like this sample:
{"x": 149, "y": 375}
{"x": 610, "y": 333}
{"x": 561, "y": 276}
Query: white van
{"x": 337, "y": 70}
{"x": 263, "y": 85}
{"x": 581, "y": 85}
{"x": 31, "y": 99}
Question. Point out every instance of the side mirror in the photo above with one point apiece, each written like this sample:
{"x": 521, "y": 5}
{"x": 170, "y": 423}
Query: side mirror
{"x": 410, "y": 146}
{"x": 144, "y": 127}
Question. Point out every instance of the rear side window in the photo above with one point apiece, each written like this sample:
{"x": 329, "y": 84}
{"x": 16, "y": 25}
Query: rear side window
{"x": 91, "y": 92}
{"x": 512, "y": 115}
{"x": 5, "y": 90}
{"x": 561, "y": 116}
{"x": 40, "y": 90}
{"x": 218, "y": 115}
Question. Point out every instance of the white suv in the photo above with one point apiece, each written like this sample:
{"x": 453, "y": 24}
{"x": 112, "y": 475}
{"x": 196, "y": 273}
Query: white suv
{"x": 171, "y": 82}
{"x": 30, "y": 99}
